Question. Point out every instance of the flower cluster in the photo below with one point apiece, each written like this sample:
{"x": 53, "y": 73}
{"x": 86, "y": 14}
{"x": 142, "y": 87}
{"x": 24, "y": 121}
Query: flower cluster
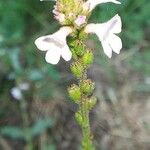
{"x": 73, "y": 15}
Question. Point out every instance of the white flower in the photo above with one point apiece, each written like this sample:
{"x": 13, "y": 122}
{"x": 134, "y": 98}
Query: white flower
{"x": 16, "y": 93}
{"x": 91, "y": 4}
{"x": 60, "y": 17}
{"x": 55, "y": 45}
{"x": 80, "y": 20}
{"x": 106, "y": 34}
{"x": 57, "y": 15}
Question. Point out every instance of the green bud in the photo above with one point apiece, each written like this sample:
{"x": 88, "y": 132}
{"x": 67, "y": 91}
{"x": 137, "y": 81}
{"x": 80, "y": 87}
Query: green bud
{"x": 91, "y": 102}
{"x": 79, "y": 48}
{"x": 87, "y": 86}
{"x": 74, "y": 93}
{"x": 82, "y": 35}
{"x": 79, "y": 118}
{"x": 74, "y": 55}
{"x": 77, "y": 69}
{"x": 88, "y": 58}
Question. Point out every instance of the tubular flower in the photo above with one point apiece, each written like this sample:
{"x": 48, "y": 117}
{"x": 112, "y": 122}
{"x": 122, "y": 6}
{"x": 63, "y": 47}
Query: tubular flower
{"x": 91, "y": 4}
{"x": 55, "y": 45}
{"x": 106, "y": 34}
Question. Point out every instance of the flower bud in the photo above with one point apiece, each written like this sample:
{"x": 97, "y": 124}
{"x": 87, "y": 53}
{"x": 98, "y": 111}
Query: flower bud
{"x": 74, "y": 93}
{"x": 91, "y": 102}
{"x": 77, "y": 69}
{"x": 79, "y": 48}
{"x": 87, "y": 86}
{"x": 82, "y": 35}
{"x": 74, "y": 55}
{"x": 80, "y": 20}
{"x": 88, "y": 58}
{"x": 79, "y": 118}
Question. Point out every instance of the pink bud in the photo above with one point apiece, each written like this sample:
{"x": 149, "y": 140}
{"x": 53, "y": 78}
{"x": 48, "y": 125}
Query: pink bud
{"x": 80, "y": 20}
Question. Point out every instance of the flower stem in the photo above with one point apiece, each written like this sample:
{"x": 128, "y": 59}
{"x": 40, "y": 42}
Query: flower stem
{"x": 81, "y": 93}
{"x": 86, "y": 133}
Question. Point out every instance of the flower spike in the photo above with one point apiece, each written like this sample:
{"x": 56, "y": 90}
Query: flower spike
{"x": 91, "y": 4}
{"x": 106, "y": 34}
{"x": 73, "y": 15}
{"x": 55, "y": 45}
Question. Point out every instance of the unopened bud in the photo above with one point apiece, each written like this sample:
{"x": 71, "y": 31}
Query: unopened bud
{"x": 79, "y": 48}
{"x": 74, "y": 93}
{"x": 79, "y": 118}
{"x": 80, "y": 20}
{"x": 91, "y": 102}
{"x": 87, "y": 86}
{"x": 77, "y": 69}
{"x": 88, "y": 58}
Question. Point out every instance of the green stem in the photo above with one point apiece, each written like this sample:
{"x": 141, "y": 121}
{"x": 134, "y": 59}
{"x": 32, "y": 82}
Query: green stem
{"x": 87, "y": 137}
{"x": 82, "y": 93}
{"x": 25, "y": 119}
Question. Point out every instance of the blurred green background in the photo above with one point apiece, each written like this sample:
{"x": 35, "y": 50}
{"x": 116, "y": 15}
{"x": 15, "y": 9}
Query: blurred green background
{"x": 44, "y": 119}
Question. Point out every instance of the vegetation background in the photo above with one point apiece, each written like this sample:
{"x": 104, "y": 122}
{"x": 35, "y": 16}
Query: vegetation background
{"x": 44, "y": 118}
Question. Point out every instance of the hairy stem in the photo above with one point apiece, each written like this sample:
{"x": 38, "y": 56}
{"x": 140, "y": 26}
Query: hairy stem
{"x": 87, "y": 137}
{"x": 81, "y": 93}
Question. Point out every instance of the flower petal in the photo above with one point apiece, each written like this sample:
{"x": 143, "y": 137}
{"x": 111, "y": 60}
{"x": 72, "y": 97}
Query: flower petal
{"x": 56, "y": 39}
{"x": 103, "y": 30}
{"x": 43, "y": 43}
{"x": 55, "y": 45}
{"x": 114, "y": 25}
{"x": 107, "y": 49}
{"x": 66, "y": 53}
{"x": 115, "y": 43}
{"x": 106, "y": 34}
{"x": 53, "y": 56}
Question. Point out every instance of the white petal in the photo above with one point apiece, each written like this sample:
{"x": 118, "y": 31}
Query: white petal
{"x": 90, "y": 28}
{"x": 61, "y": 34}
{"x": 43, "y": 43}
{"x": 114, "y": 25}
{"x": 106, "y": 34}
{"x": 103, "y": 30}
{"x": 53, "y": 56}
{"x": 55, "y": 45}
{"x": 56, "y": 39}
{"x": 66, "y": 53}
{"x": 16, "y": 93}
{"x": 115, "y": 43}
{"x": 94, "y": 3}
{"x": 113, "y": 1}
{"x": 107, "y": 49}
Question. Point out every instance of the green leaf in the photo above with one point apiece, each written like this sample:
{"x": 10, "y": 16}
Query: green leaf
{"x": 12, "y": 132}
{"x": 14, "y": 58}
{"x": 52, "y": 72}
{"x": 41, "y": 125}
{"x": 50, "y": 147}
{"x": 35, "y": 75}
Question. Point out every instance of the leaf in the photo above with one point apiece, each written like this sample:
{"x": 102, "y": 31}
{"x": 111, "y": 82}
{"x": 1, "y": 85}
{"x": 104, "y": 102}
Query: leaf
{"x": 52, "y": 72}
{"x": 51, "y": 147}
{"x": 14, "y": 58}
{"x": 35, "y": 75}
{"x": 12, "y": 132}
{"x": 40, "y": 126}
